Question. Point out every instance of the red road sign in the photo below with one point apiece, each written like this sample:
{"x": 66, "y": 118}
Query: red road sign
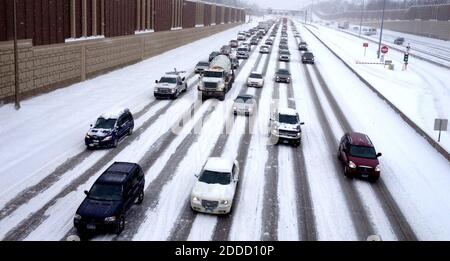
{"x": 384, "y": 49}
{"x": 365, "y": 44}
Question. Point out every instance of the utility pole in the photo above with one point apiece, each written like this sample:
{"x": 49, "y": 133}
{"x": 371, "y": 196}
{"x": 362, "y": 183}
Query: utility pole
{"x": 16, "y": 59}
{"x": 381, "y": 30}
{"x": 360, "y": 21}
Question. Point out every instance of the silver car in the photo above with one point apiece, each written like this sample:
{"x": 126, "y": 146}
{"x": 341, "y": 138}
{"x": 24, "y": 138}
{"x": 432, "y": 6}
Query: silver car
{"x": 244, "y": 104}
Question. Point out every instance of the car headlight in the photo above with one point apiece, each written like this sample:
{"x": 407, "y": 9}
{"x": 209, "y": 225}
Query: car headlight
{"x": 77, "y": 217}
{"x": 221, "y": 87}
{"x": 224, "y": 202}
{"x": 195, "y": 199}
{"x": 275, "y": 131}
{"x": 234, "y": 108}
{"x": 377, "y": 168}
{"x": 173, "y": 90}
{"x": 351, "y": 165}
{"x": 110, "y": 219}
{"x": 87, "y": 136}
{"x": 108, "y": 138}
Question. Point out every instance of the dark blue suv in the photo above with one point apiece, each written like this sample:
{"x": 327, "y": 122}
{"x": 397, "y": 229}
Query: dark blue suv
{"x": 110, "y": 129}
{"x": 108, "y": 200}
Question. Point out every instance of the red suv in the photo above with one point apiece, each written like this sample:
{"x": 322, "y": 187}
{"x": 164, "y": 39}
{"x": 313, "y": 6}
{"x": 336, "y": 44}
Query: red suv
{"x": 359, "y": 157}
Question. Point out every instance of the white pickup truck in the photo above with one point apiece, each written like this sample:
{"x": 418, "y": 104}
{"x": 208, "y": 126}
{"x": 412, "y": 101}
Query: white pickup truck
{"x": 171, "y": 85}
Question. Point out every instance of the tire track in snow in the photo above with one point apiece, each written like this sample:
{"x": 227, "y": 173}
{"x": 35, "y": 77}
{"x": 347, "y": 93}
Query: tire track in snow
{"x": 402, "y": 229}
{"x": 305, "y": 213}
{"x": 181, "y": 230}
{"x": 27, "y": 225}
{"x": 223, "y": 226}
{"x": 169, "y": 170}
{"x": 29, "y": 193}
{"x": 270, "y": 210}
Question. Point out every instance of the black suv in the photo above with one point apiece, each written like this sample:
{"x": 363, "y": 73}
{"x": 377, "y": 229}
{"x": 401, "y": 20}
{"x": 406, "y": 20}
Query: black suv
{"x": 109, "y": 129}
{"x": 112, "y": 194}
{"x": 308, "y": 57}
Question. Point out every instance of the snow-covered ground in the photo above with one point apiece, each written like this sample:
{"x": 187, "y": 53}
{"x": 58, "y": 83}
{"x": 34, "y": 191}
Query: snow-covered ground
{"x": 49, "y": 129}
{"x": 421, "y": 92}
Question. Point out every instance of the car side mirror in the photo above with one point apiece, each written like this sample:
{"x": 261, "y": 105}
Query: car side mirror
{"x": 91, "y": 125}
{"x": 183, "y": 79}
{"x": 196, "y": 175}
{"x": 379, "y": 154}
{"x": 302, "y": 123}
{"x": 156, "y": 81}
{"x": 86, "y": 192}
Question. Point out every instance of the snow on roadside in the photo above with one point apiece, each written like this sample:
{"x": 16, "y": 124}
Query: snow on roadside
{"x": 421, "y": 92}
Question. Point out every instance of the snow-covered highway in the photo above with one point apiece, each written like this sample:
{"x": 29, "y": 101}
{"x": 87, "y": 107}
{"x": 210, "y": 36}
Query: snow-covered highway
{"x": 284, "y": 192}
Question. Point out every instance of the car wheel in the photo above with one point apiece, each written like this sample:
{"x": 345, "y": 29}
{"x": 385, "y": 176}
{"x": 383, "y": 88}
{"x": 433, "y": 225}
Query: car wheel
{"x": 140, "y": 198}
{"x": 120, "y": 225}
{"x": 130, "y": 132}
{"x": 115, "y": 143}
{"x": 185, "y": 87}
{"x": 373, "y": 179}
{"x": 346, "y": 173}
{"x": 222, "y": 98}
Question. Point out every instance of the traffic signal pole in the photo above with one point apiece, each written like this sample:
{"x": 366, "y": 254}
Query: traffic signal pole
{"x": 381, "y": 30}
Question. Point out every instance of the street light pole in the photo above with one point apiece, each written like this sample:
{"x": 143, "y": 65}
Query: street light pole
{"x": 381, "y": 30}
{"x": 360, "y": 21}
{"x": 16, "y": 59}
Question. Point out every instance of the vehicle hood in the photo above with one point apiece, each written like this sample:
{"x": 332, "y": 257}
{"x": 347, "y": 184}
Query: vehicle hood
{"x": 166, "y": 85}
{"x": 213, "y": 191}
{"x": 91, "y": 208}
{"x": 364, "y": 162}
{"x": 244, "y": 106}
{"x": 255, "y": 80}
{"x": 288, "y": 127}
{"x": 99, "y": 132}
{"x": 212, "y": 79}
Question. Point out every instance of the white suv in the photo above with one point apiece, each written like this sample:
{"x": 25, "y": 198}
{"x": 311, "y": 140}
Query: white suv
{"x": 216, "y": 186}
{"x": 255, "y": 79}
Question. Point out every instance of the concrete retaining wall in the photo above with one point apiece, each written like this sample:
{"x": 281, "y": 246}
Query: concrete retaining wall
{"x": 45, "y": 68}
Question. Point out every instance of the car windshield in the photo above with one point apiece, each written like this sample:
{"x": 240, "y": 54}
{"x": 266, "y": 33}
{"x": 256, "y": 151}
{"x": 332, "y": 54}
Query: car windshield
{"x": 244, "y": 99}
{"x": 363, "y": 152}
{"x": 168, "y": 80}
{"x": 289, "y": 119}
{"x": 213, "y": 177}
{"x": 103, "y": 123}
{"x": 213, "y": 74}
{"x": 202, "y": 64}
{"x": 308, "y": 54}
{"x": 106, "y": 192}
{"x": 242, "y": 49}
{"x": 256, "y": 76}
{"x": 284, "y": 52}
{"x": 283, "y": 72}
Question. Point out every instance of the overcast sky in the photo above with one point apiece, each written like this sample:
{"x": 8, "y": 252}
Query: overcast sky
{"x": 279, "y": 4}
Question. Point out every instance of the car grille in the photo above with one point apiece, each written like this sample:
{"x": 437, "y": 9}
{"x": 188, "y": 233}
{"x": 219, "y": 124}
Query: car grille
{"x": 162, "y": 90}
{"x": 207, "y": 204}
{"x": 288, "y": 133}
{"x": 364, "y": 169}
{"x": 210, "y": 85}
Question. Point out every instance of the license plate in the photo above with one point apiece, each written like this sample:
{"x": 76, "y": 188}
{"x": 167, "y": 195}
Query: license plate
{"x": 365, "y": 175}
{"x": 285, "y": 142}
{"x": 91, "y": 226}
{"x": 95, "y": 141}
